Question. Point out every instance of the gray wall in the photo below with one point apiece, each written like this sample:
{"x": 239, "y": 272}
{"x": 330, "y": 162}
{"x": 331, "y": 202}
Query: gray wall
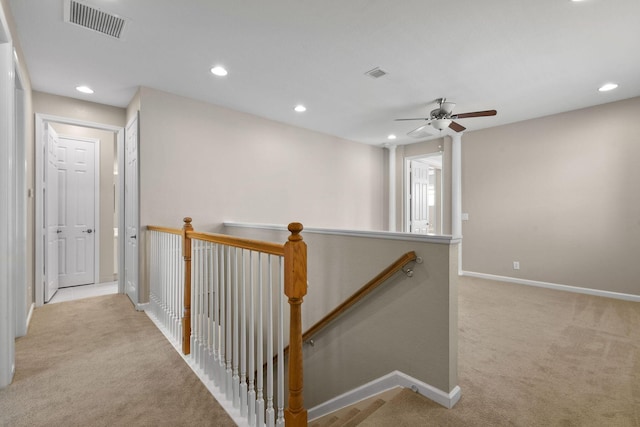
{"x": 559, "y": 194}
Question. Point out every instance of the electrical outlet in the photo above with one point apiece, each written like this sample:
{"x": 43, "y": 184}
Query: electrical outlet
{"x": 516, "y": 265}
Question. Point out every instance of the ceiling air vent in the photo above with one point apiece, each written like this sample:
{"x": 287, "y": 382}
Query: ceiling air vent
{"x": 376, "y": 73}
{"x": 94, "y": 19}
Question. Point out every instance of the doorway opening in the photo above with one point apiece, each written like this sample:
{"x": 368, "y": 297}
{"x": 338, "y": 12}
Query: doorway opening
{"x": 79, "y": 217}
{"x": 423, "y": 194}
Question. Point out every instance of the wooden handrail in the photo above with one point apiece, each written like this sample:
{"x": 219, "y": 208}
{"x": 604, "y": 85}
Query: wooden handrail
{"x": 355, "y": 298}
{"x": 165, "y": 229}
{"x": 360, "y": 294}
{"x": 224, "y": 239}
{"x": 239, "y": 242}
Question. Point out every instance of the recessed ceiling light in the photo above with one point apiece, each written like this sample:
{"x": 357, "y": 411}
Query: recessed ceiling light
{"x": 219, "y": 71}
{"x": 607, "y": 87}
{"x": 392, "y": 136}
{"x": 300, "y": 108}
{"x": 84, "y": 89}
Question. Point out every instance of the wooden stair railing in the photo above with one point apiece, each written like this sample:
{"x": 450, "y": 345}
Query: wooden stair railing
{"x": 369, "y": 287}
{"x": 294, "y": 252}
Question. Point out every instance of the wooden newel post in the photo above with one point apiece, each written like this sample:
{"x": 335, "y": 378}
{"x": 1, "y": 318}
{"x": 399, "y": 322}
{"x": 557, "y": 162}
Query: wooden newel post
{"x": 186, "y": 314}
{"x": 295, "y": 288}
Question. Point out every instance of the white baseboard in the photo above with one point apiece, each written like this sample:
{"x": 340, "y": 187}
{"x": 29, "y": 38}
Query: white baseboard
{"x": 555, "y": 286}
{"x": 142, "y": 306}
{"x": 382, "y": 384}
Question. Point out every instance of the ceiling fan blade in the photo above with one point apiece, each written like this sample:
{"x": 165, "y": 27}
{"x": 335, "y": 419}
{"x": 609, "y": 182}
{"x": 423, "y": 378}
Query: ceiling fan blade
{"x": 475, "y": 114}
{"x": 457, "y": 127}
{"x": 421, "y": 132}
{"x": 420, "y": 118}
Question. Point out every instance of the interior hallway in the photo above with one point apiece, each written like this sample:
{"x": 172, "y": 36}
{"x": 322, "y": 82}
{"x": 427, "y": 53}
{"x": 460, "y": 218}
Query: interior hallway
{"x": 84, "y": 291}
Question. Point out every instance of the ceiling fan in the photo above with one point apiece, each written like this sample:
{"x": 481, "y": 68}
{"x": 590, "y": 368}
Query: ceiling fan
{"x": 443, "y": 117}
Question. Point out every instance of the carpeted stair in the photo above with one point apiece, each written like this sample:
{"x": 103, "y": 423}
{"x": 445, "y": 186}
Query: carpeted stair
{"x": 369, "y": 412}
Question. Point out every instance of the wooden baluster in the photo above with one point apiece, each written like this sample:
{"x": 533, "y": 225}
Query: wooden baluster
{"x": 186, "y": 314}
{"x": 295, "y": 288}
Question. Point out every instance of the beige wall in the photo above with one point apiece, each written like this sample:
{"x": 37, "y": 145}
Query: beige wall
{"x": 215, "y": 164}
{"x": 559, "y": 194}
{"x": 46, "y": 103}
{"x": 134, "y": 106}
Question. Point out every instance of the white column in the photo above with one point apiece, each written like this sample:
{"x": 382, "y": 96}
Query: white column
{"x": 456, "y": 185}
{"x": 456, "y": 193}
{"x": 392, "y": 186}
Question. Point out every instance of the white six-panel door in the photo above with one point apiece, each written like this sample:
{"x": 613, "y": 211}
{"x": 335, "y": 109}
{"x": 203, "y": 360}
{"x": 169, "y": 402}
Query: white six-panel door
{"x": 51, "y": 212}
{"x": 419, "y": 197}
{"x": 76, "y": 211}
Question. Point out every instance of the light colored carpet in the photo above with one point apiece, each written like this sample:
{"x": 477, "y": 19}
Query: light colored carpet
{"x": 536, "y": 357}
{"x": 98, "y": 362}
{"x": 528, "y": 357}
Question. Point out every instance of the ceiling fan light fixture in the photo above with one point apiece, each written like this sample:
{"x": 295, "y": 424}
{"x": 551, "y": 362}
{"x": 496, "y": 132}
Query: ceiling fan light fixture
{"x": 441, "y": 124}
{"x": 448, "y": 107}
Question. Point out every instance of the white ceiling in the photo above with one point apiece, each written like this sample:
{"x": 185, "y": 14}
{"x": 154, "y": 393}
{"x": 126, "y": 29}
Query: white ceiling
{"x": 525, "y": 59}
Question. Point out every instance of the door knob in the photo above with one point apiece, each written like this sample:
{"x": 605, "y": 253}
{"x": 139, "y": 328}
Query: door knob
{"x": 88, "y": 231}
{"x": 133, "y": 237}
{"x": 58, "y": 231}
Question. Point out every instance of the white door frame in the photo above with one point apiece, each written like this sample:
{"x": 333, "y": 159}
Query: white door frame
{"x": 39, "y": 232}
{"x": 7, "y": 257}
{"x": 22, "y": 290}
{"x": 96, "y": 201}
{"x": 131, "y": 219}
